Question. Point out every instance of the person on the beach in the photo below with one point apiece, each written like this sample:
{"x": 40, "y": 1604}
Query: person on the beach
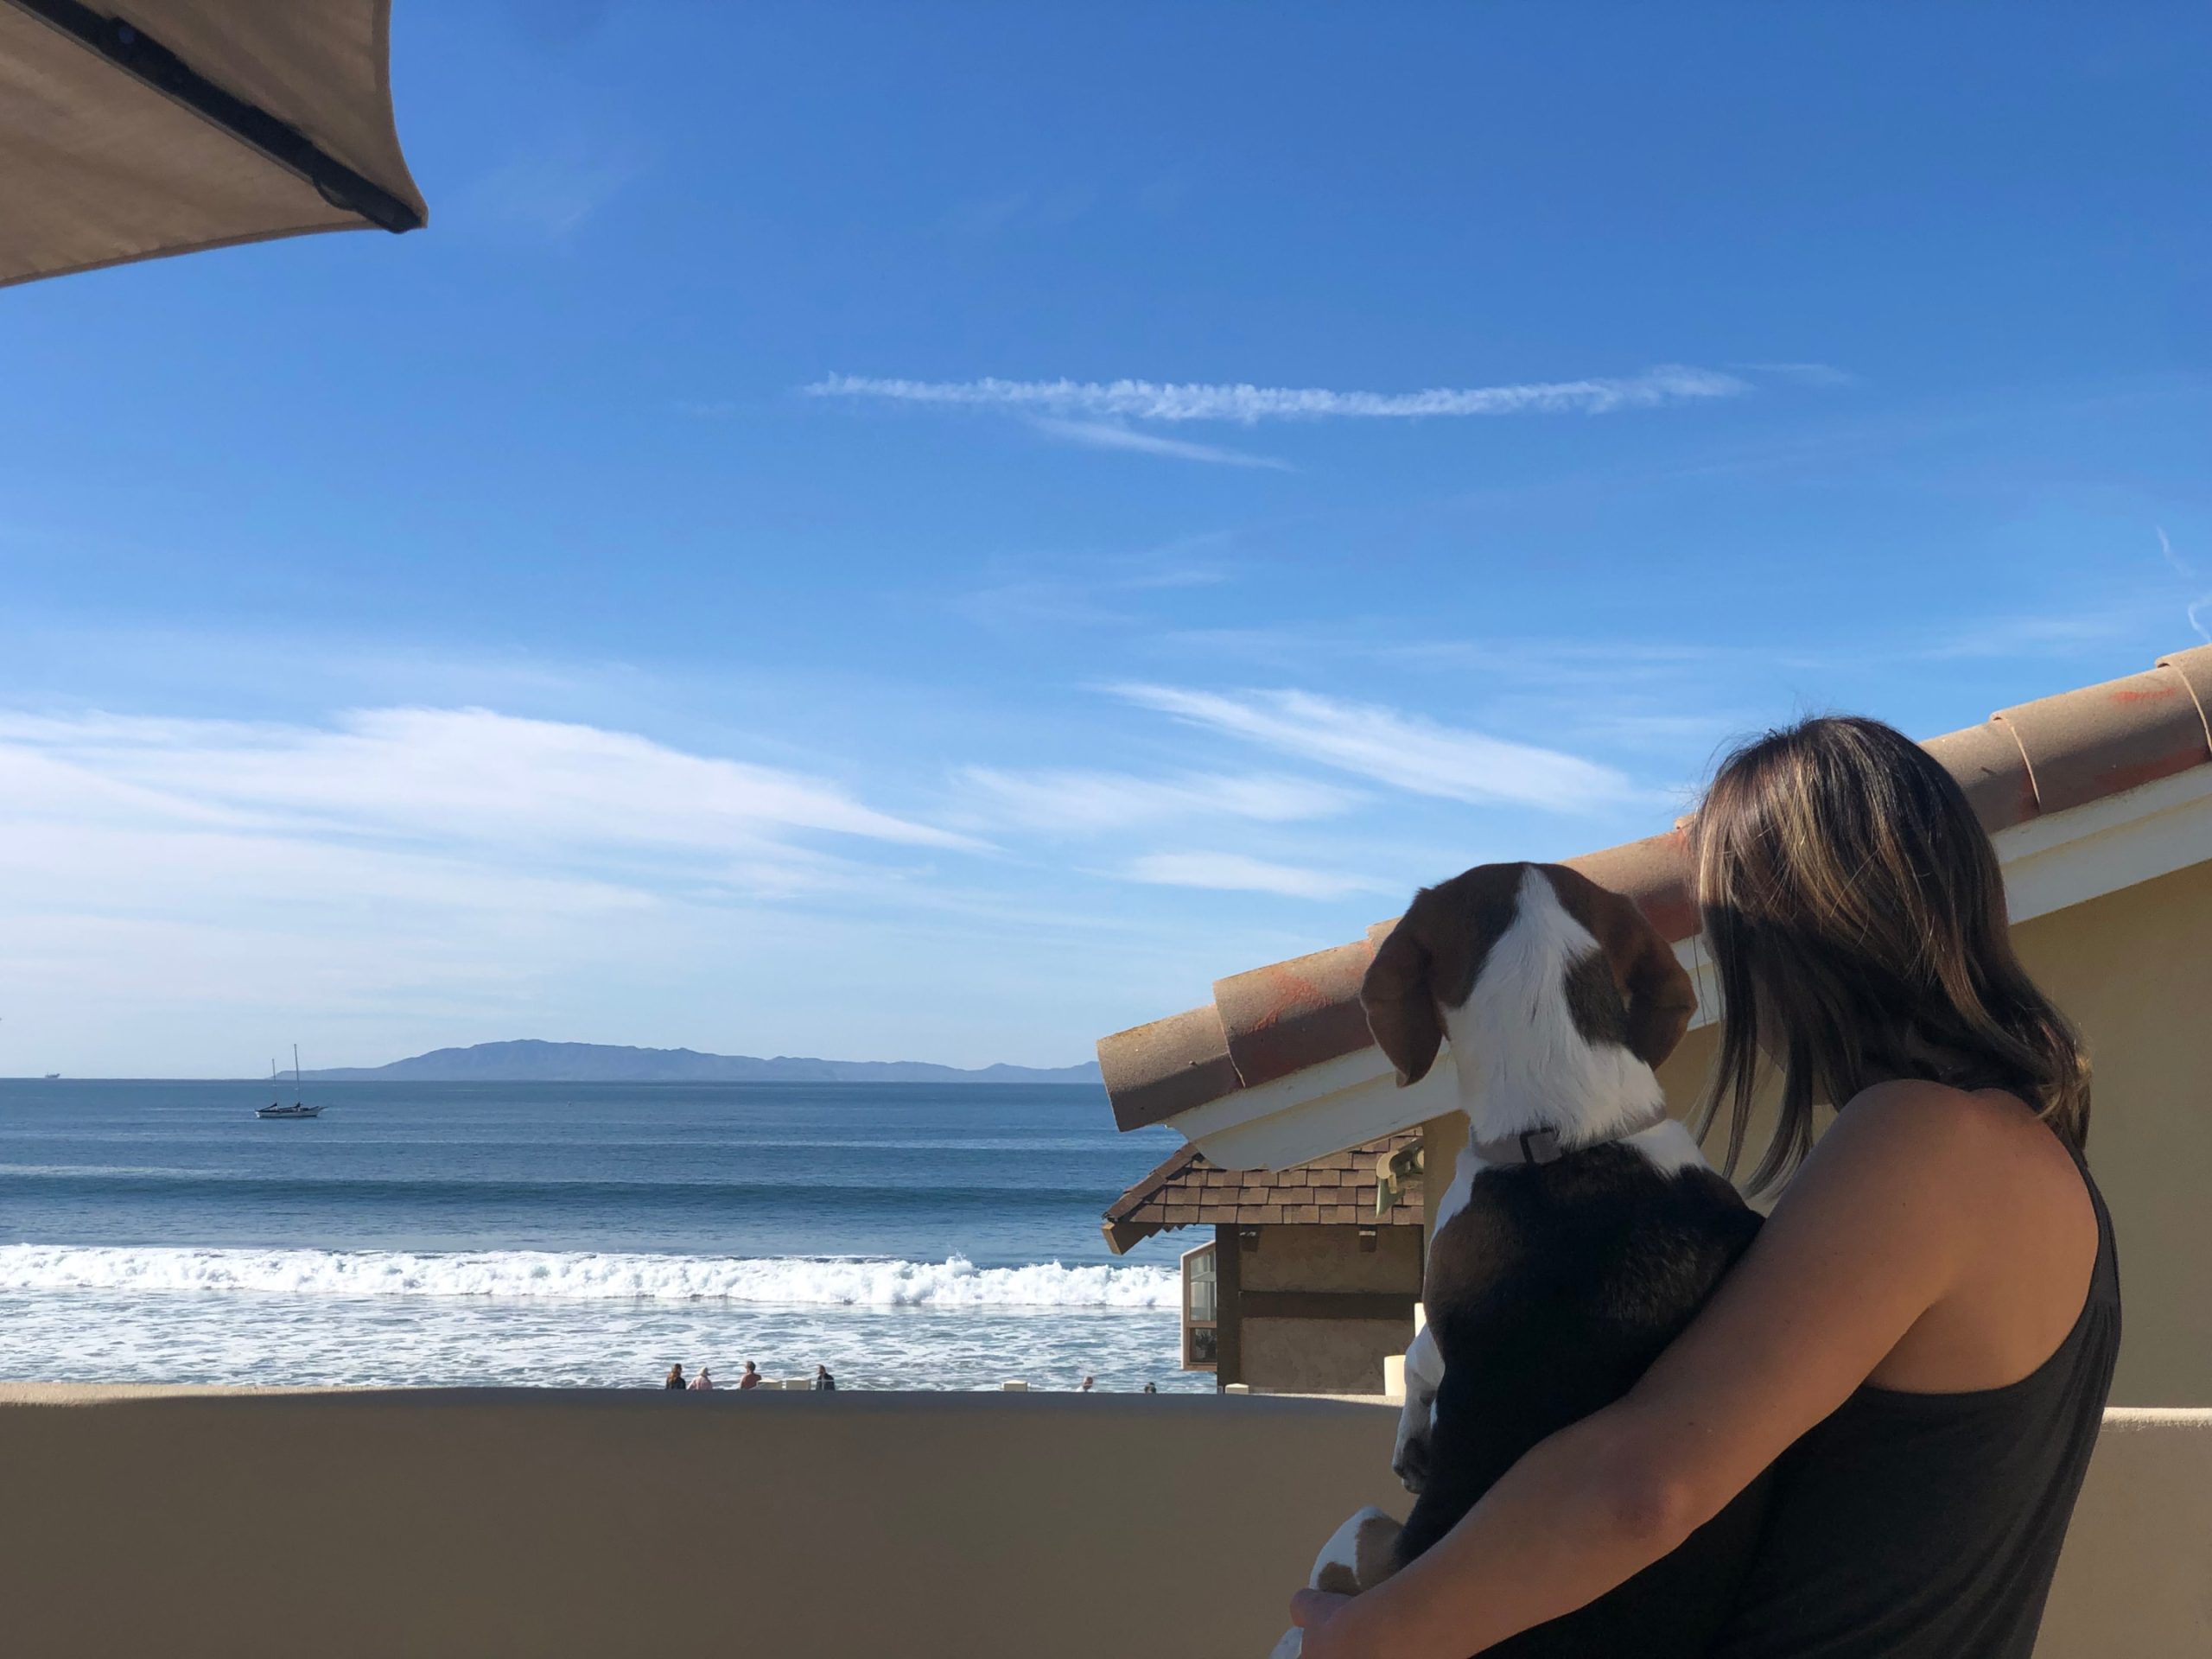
{"x": 675, "y": 1378}
{"x": 703, "y": 1382}
{"x": 1152, "y": 1387}
{"x": 823, "y": 1383}
{"x": 1086, "y": 1386}
{"x": 749, "y": 1379}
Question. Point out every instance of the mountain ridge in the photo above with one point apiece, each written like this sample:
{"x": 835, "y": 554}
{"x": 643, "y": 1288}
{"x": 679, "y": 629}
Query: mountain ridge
{"x": 533, "y": 1060}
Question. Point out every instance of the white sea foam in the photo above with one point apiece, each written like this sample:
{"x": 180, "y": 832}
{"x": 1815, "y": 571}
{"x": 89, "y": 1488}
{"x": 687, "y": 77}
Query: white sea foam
{"x": 584, "y": 1276}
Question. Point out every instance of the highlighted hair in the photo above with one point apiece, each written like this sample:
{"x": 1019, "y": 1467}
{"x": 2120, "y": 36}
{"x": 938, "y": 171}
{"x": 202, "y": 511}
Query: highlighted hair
{"x": 1855, "y": 912}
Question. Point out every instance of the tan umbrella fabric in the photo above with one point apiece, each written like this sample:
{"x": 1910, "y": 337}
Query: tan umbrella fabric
{"x": 267, "y": 119}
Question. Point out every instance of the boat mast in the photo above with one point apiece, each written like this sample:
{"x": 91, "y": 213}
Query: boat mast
{"x": 295, "y": 1074}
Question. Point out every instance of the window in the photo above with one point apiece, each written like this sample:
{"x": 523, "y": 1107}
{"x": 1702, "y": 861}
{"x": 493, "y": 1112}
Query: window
{"x": 1201, "y": 1310}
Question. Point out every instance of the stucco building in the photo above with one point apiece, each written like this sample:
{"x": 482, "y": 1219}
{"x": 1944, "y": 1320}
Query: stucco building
{"x": 1309, "y": 1282}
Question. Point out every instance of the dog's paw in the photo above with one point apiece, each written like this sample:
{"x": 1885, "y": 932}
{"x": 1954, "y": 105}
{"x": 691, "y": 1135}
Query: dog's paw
{"x": 1292, "y": 1644}
{"x": 1358, "y": 1556}
{"x": 1412, "y": 1467}
{"x": 1417, "y": 1417}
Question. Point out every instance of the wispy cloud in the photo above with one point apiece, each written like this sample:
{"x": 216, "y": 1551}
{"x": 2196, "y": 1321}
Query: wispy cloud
{"x": 1091, "y": 802}
{"x": 1405, "y": 751}
{"x": 1091, "y": 590}
{"x": 1041, "y": 209}
{"x": 1825, "y": 377}
{"x": 2028, "y": 634}
{"x": 411, "y": 868}
{"x": 2197, "y": 608}
{"x": 431, "y": 776}
{"x": 1235, "y": 873}
{"x": 1248, "y": 405}
{"x": 1108, "y": 435}
{"x": 551, "y": 195}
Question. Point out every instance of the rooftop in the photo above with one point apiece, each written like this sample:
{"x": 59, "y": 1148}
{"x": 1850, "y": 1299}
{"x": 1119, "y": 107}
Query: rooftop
{"x": 1337, "y": 1188}
{"x": 2025, "y": 762}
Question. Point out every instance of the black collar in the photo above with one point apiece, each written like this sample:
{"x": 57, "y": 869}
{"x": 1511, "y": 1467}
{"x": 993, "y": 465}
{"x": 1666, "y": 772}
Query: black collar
{"x": 1543, "y": 1146}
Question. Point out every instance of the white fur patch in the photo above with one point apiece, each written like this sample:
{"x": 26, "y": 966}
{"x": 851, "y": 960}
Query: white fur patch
{"x": 1670, "y": 1146}
{"x": 1522, "y": 1062}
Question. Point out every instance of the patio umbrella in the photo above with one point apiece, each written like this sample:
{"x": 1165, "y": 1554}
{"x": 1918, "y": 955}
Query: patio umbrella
{"x": 139, "y": 128}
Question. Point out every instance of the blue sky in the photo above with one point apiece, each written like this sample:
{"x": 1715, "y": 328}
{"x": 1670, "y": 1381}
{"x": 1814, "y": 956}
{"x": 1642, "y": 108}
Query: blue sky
{"x": 937, "y": 532}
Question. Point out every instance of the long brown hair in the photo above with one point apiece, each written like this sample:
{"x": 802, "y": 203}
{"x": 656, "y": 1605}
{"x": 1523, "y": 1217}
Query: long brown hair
{"x": 1855, "y": 912}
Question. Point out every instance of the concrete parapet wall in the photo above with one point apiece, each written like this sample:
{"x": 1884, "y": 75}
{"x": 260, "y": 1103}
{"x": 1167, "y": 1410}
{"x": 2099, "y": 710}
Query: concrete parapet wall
{"x": 495, "y": 1521}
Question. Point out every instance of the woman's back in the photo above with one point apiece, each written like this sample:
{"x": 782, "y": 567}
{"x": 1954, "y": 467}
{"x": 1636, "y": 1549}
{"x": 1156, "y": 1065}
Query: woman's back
{"x": 1918, "y": 1525}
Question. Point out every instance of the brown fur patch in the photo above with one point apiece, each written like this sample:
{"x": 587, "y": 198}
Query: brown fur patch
{"x": 1659, "y": 994}
{"x": 1431, "y": 959}
{"x": 1337, "y": 1580}
{"x": 1377, "y": 1550}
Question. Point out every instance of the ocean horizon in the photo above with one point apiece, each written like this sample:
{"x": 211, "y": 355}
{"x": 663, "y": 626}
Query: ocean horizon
{"x": 910, "y": 1236}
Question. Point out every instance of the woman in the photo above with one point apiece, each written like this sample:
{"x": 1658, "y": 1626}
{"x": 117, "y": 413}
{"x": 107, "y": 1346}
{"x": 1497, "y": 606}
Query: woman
{"x": 1925, "y": 1327}
{"x": 674, "y": 1381}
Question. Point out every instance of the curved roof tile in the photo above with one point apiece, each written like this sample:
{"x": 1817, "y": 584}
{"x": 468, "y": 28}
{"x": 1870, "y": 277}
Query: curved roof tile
{"x": 2040, "y": 757}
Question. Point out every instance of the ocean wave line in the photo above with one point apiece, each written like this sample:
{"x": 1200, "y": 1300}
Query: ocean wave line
{"x": 955, "y": 1282}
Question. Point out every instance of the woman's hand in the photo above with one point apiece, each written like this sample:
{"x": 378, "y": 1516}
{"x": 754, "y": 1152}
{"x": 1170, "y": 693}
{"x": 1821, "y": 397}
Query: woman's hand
{"x": 1330, "y": 1633}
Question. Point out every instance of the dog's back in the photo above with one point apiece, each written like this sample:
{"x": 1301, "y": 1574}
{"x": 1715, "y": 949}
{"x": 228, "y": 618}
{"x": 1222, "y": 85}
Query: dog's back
{"x": 1551, "y": 1290}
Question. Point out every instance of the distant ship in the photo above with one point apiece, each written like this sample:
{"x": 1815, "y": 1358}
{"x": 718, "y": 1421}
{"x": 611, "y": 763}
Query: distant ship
{"x": 296, "y": 1109}
{"x": 53, "y": 1077}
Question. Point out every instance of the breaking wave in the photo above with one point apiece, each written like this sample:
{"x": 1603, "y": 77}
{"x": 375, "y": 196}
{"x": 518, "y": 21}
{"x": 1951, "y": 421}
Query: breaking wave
{"x": 585, "y": 1276}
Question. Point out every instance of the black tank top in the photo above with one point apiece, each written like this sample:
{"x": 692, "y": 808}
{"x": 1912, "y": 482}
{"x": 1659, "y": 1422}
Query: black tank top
{"x": 1928, "y": 1526}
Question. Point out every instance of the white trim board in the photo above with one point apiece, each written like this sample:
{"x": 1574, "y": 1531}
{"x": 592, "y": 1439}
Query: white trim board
{"x": 2050, "y": 863}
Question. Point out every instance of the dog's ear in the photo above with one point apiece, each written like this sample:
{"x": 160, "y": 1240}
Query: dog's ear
{"x": 1660, "y": 996}
{"x": 1400, "y": 997}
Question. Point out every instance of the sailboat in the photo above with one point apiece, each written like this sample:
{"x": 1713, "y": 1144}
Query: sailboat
{"x": 296, "y": 1108}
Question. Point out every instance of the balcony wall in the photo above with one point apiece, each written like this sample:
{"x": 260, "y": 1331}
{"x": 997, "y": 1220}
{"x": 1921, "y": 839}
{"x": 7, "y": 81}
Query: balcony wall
{"x": 476, "y": 1522}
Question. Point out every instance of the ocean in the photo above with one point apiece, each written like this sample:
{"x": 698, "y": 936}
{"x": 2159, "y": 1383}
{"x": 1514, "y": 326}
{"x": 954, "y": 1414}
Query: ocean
{"x": 908, "y": 1236}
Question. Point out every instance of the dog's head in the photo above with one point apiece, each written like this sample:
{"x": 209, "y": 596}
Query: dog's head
{"x": 1531, "y": 956}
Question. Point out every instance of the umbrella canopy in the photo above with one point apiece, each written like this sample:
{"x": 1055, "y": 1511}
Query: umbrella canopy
{"x": 147, "y": 127}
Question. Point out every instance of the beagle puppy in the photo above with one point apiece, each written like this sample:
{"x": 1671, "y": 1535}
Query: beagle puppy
{"x": 1581, "y": 1232}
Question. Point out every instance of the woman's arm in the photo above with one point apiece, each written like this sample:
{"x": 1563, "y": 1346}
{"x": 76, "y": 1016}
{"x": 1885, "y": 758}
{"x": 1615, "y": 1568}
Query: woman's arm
{"x": 1869, "y": 1237}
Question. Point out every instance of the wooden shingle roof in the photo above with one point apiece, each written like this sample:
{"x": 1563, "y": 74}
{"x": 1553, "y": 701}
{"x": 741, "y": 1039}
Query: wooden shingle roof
{"x": 1337, "y": 1189}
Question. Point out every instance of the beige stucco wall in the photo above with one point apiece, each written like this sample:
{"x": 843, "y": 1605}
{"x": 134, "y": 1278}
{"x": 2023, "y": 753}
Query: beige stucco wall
{"x": 1324, "y": 1356}
{"x": 2133, "y": 970}
{"x": 1321, "y": 1356}
{"x": 557, "y": 1524}
{"x": 1329, "y": 1258}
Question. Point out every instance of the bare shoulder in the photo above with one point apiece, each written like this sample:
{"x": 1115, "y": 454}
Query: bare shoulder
{"x": 1983, "y": 1155}
{"x": 1983, "y": 1189}
{"x": 1914, "y": 1118}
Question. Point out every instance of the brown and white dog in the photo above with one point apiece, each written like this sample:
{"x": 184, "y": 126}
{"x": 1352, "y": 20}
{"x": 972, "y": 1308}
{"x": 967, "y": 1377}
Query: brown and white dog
{"x": 1581, "y": 1232}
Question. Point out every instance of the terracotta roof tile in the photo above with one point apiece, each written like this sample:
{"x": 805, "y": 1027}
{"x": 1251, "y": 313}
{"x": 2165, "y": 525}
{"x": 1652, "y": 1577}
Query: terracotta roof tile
{"x": 2194, "y": 668}
{"x": 1289, "y": 1015}
{"x": 1174, "y": 1063}
{"x": 2085, "y": 744}
{"x": 2037, "y": 758}
{"x": 1188, "y": 1190}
